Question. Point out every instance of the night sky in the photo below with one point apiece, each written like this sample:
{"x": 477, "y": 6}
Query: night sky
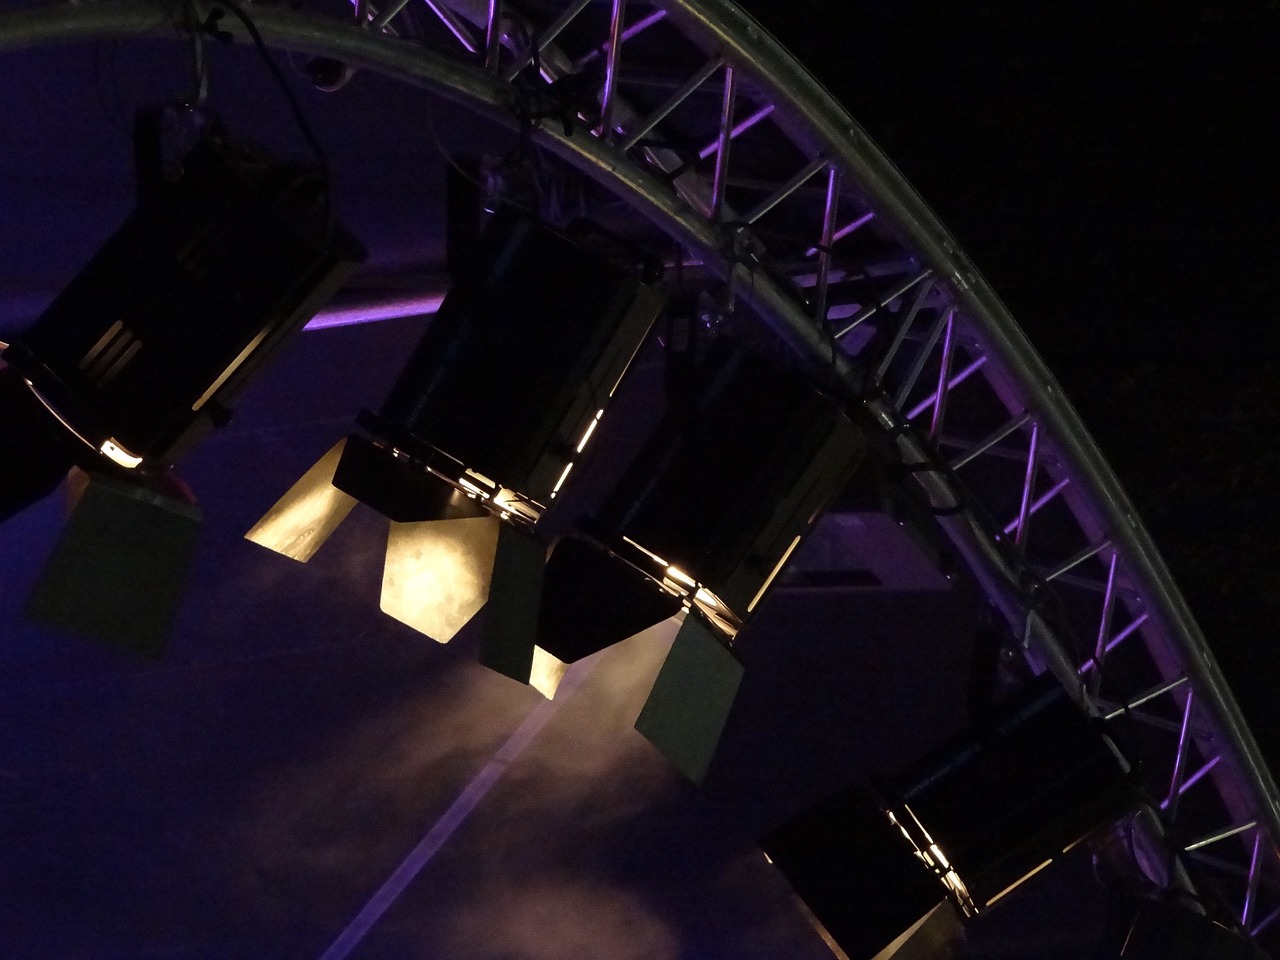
{"x": 1115, "y": 174}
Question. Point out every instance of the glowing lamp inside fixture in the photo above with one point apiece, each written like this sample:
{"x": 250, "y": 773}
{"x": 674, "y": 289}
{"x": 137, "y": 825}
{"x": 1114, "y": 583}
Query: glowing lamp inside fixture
{"x": 119, "y": 455}
{"x": 438, "y": 573}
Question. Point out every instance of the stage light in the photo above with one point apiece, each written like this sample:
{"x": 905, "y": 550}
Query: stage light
{"x": 724, "y": 490}
{"x": 703, "y": 520}
{"x": 481, "y": 432}
{"x": 856, "y": 880}
{"x": 146, "y": 350}
{"x": 993, "y": 807}
{"x": 974, "y": 818}
{"x": 227, "y": 254}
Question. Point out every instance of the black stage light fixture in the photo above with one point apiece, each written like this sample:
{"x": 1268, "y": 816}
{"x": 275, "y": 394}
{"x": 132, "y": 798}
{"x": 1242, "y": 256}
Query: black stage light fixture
{"x": 147, "y": 348}
{"x": 482, "y": 430}
{"x": 979, "y": 815}
{"x": 1165, "y": 930}
{"x": 856, "y": 880}
{"x": 723, "y": 491}
{"x": 1001, "y": 802}
{"x": 228, "y": 253}
{"x": 704, "y": 519}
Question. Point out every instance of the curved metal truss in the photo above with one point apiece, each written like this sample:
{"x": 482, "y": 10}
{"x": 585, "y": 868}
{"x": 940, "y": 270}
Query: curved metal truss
{"x": 704, "y": 127}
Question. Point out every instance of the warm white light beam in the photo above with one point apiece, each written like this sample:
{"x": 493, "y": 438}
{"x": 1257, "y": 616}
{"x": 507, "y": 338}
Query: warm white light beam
{"x": 438, "y": 573}
{"x": 448, "y": 824}
{"x": 299, "y": 523}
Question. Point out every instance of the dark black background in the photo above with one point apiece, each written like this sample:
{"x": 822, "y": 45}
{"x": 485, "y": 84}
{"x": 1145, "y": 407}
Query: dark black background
{"x": 1114, "y": 171}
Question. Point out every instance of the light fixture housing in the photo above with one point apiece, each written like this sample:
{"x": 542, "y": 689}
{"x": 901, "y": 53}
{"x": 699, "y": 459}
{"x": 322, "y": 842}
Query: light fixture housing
{"x": 485, "y": 422}
{"x": 227, "y": 255}
{"x": 855, "y": 878}
{"x": 703, "y": 520}
{"x": 513, "y": 375}
{"x": 723, "y": 492}
{"x": 996, "y": 805}
{"x": 146, "y": 349}
{"x": 965, "y": 824}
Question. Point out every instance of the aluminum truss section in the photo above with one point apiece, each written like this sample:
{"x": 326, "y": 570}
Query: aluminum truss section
{"x": 713, "y": 135}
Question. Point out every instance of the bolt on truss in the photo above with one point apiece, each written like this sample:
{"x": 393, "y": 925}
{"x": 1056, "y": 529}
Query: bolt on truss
{"x": 748, "y": 165}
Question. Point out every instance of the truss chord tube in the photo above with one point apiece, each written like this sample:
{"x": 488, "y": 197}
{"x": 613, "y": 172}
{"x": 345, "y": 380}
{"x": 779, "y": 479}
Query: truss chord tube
{"x": 817, "y": 125}
{"x": 739, "y": 129}
{"x": 870, "y": 311}
{"x": 545, "y": 38}
{"x": 944, "y": 379}
{"x": 921, "y": 358}
{"x": 968, "y": 371}
{"x": 844, "y": 231}
{"x": 1219, "y": 835}
{"x": 904, "y": 326}
{"x": 687, "y": 89}
{"x": 1146, "y": 697}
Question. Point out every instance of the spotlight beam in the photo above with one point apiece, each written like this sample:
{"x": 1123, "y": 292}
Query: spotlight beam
{"x": 472, "y": 794}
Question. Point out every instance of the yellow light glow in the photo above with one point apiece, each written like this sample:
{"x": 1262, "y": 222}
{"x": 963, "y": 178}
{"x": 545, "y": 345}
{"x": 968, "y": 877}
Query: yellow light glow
{"x": 931, "y": 854}
{"x": 777, "y": 568}
{"x": 511, "y": 503}
{"x": 546, "y": 673}
{"x": 118, "y": 454}
{"x": 591, "y": 428}
{"x": 648, "y": 553}
{"x": 472, "y": 490}
{"x": 438, "y": 572}
{"x": 1019, "y": 882}
{"x": 564, "y": 475}
{"x": 678, "y": 575}
{"x": 299, "y": 523}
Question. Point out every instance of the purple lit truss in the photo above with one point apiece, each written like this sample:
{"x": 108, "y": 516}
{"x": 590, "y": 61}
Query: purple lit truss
{"x": 711, "y": 136}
